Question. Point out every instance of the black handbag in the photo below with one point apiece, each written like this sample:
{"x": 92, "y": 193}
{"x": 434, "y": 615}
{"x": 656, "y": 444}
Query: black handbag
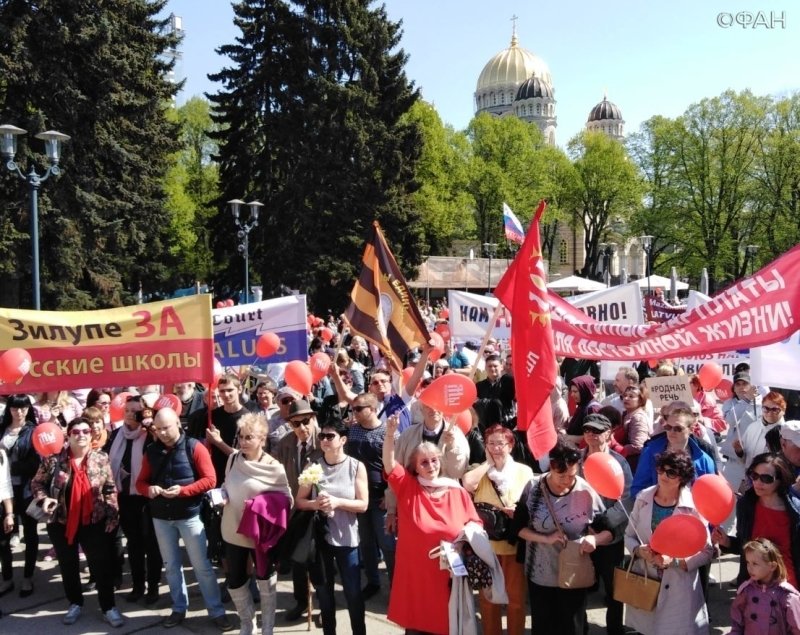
{"x": 495, "y": 521}
{"x": 306, "y": 530}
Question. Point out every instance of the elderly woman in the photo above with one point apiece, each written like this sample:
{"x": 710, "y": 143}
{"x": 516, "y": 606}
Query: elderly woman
{"x": 251, "y": 473}
{"x": 341, "y": 495}
{"x": 579, "y": 516}
{"x": 499, "y": 481}
{"x": 769, "y": 509}
{"x": 77, "y": 487}
{"x": 681, "y": 605}
{"x": 430, "y": 509}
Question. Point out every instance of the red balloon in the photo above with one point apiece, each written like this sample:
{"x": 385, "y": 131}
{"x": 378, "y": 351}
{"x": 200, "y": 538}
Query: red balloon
{"x": 48, "y": 439}
{"x": 679, "y": 536}
{"x": 406, "y": 373}
{"x": 464, "y": 421}
{"x": 724, "y": 390}
{"x": 710, "y": 375}
{"x": 713, "y": 498}
{"x": 169, "y": 401}
{"x": 604, "y": 475}
{"x": 443, "y": 329}
{"x": 116, "y": 411}
{"x": 298, "y": 376}
{"x": 326, "y": 334}
{"x": 15, "y": 363}
{"x": 229, "y": 302}
{"x": 220, "y": 304}
{"x": 450, "y": 394}
{"x": 438, "y": 346}
{"x": 319, "y": 363}
{"x": 444, "y": 314}
{"x": 267, "y": 345}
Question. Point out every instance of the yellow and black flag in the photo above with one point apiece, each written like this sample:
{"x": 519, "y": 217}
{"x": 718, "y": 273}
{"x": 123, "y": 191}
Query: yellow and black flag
{"x": 382, "y": 309}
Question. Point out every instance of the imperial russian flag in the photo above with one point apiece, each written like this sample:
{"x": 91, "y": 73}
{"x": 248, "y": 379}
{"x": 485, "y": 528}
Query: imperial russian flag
{"x": 513, "y": 227}
{"x": 524, "y": 293}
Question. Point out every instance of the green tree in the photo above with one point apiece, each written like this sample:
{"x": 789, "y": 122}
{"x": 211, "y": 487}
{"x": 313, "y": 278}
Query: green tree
{"x": 95, "y": 71}
{"x": 606, "y": 191}
{"x": 312, "y": 110}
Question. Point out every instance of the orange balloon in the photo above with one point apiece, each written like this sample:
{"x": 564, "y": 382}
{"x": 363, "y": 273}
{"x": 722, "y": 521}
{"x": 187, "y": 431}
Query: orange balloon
{"x": 438, "y": 346}
{"x": 48, "y": 439}
{"x": 679, "y": 536}
{"x": 450, "y": 394}
{"x": 15, "y": 363}
{"x": 713, "y": 498}
{"x": 319, "y": 363}
{"x": 710, "y": 375}
{"x": 464, "y": 421}
{"x": 298, "y": 376}
{"x": 604, "y": 475}
{"x": 267, "y": 345}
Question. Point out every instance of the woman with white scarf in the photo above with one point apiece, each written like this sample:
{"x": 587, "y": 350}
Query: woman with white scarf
{"x": 128, "y": 443}
{"x": 499, "y": 481}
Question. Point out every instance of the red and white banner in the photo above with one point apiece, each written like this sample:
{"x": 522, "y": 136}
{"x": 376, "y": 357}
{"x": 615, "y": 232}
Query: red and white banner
{"x": 659, "y": 311}
{"x": 756, "y": 311}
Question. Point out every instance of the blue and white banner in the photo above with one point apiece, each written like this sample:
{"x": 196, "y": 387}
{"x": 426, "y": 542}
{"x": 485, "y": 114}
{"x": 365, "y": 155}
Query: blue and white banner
{"x": 470, "y": 315}
{"x": 237, "y": 329}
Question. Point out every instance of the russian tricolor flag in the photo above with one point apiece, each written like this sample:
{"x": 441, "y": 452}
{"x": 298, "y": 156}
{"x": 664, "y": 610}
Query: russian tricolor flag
{"x": 513, "y": 227}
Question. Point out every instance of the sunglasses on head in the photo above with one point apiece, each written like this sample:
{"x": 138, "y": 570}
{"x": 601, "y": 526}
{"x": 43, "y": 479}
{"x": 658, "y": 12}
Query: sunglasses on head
{"x": 767, "y": 479}
{"x": 301, "y": 422}
{"x": 668, "y": 472}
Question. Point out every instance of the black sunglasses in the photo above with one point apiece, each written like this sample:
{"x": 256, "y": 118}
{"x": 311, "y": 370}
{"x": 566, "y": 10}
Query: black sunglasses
{"x": 301, "y": 422}
{"x": 767, "y": 479}
{"x": 327, "y": 436}
{"x": 668, "y": 472}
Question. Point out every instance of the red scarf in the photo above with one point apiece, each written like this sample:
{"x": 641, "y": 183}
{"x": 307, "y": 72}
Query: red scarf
{"x": 79, "y": 510}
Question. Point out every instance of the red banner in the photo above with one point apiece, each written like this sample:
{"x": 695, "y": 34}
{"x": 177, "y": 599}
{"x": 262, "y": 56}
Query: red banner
{"x": 656, "y": 310}
{"x": 756, "y": 311}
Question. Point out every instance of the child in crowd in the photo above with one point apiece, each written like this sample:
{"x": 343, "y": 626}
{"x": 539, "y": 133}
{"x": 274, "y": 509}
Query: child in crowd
{"x": 766, "y": 604}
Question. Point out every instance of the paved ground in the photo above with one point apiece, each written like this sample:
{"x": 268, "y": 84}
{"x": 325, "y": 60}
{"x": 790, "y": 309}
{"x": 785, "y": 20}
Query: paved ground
{"x": 43, "y": 611}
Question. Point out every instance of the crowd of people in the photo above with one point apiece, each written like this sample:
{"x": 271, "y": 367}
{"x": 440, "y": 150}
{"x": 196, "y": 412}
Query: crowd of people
{"x": 361, "y": 472}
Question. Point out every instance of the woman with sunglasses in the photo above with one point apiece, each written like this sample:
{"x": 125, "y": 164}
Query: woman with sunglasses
{"x": 577, "y": 509}
{"x": 341, "y": 495}
{"x": 681, "y": 605}
{"x": 250, "y": 472}
{"x": 430, "y": 508}
{"x": 77, "y": 486}
{"x": 769, "y": 509}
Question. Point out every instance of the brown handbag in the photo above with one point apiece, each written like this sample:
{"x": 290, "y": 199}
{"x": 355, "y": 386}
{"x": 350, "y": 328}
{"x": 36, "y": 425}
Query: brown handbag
{"x": 635, "y": 589}
{"x": 575, "y": 569}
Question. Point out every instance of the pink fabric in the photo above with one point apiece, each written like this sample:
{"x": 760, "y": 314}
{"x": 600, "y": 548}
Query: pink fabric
{"x": 265, "y": 519}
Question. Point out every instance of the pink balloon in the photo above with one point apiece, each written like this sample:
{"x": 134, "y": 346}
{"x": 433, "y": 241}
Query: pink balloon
{"x": 604, "y": 475}
{"x": 679, "y": 536}
{"x": 169, "y": 401}
{"x": 220, "y": 304}
{"x": 298, "y": 376}
{"x": 319, "y": 363}
{"x": 229, "y": 302}
{"x": 48, "y": 439}
{"x": 438, "y": 346}
{"x": 713, "y": 498}
{"x": 15, "y": 363}
{"x": 451, "y": 394}
{"x": 710, "y": 375}
{"x": 267, "y": 345}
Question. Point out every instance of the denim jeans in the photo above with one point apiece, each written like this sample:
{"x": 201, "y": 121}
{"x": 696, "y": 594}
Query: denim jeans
{"x": 323, "y": 575}
{"x": 372, "y": 533}
{"x": 193, "y": 534}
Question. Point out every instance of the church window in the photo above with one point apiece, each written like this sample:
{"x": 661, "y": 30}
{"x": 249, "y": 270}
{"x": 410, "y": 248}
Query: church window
{"x": 538, "y": 109}
{"x": 562, "y": 252}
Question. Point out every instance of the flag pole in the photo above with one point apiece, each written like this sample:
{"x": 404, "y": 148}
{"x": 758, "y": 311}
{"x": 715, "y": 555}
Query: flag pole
{"x": 493, "y": 320}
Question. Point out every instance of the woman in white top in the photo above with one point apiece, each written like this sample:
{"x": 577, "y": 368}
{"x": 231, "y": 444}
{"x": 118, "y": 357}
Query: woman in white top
{"x": 341, "y": 495}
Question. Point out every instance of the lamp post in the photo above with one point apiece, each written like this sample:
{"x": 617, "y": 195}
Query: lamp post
{"x": 750, "y": 256}
{"x": 490, "y": 250}
{"x": 608, "y": 250}
{"x": 8, "y": 148}
{"x": 244, "y": 236}
{"x": 647, "y": 245}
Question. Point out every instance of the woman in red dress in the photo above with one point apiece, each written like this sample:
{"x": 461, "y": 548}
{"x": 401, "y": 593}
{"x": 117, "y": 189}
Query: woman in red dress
{"x": 430, "y": 508}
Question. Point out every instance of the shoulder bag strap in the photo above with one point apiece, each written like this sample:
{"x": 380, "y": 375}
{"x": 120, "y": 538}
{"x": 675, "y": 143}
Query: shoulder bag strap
{"x": 546, "y": 495}
{"x": 497, "y": 492}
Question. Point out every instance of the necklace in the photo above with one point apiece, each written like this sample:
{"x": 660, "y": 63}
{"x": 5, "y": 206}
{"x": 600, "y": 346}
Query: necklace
{"x": 327, "y": 462}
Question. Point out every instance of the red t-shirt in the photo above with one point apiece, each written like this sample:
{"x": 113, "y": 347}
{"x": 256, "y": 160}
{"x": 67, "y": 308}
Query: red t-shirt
{"x": 773, "y": 524}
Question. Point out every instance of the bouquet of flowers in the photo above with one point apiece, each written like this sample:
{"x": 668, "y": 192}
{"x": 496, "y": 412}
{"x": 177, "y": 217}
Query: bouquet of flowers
{"x": 312, "y": 476}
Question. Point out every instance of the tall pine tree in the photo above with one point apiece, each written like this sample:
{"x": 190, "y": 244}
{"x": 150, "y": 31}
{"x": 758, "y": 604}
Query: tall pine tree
{"x": 96, "y": 71}
{"x": 311, "y": 113}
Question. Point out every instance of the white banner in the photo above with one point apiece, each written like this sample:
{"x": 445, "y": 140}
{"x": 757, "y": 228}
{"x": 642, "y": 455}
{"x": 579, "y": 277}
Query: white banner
{"x": 470, "y": 314}
{"x": 777, "y": 365}
{"x": 616, "y": 305}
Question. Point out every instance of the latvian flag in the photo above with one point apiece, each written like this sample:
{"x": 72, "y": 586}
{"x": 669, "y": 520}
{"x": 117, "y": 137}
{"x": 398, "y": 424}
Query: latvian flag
{"x": 513, "y": 227}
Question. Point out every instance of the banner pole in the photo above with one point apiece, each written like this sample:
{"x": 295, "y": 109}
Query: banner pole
{"x": 497, "y": 311}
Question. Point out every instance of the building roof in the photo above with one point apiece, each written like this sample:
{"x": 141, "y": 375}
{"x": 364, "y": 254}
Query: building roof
{"x": 512, "y": 66}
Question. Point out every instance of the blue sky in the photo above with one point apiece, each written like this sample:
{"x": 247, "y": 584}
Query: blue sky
{"x": 651, "y": 57}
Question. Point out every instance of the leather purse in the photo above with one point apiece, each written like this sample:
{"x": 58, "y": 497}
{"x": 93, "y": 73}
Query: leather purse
{"x": 575, "y": 568}
{"x": 635, "y": 589}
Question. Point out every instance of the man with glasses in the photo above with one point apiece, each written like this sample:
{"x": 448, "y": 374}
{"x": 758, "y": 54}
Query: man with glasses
{"x": 279, "y": 426}
{"x": 191, "y": 398}
{"x": 176, "y": 471}
{"x": 295, "y": 452}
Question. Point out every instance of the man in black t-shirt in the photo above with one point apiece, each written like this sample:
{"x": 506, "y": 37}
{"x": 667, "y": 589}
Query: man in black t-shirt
{"x": 221, "y": 436}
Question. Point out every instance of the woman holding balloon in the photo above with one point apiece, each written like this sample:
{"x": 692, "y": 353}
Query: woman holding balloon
{"x": 769, "y": 509}
{"x": 668, "y": 537}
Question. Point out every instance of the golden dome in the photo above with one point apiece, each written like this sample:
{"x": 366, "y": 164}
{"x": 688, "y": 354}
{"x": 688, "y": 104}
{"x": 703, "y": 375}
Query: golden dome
{"x": 512, "y": 66}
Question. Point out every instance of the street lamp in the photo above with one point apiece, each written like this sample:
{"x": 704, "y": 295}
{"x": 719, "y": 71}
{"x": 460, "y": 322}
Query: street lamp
{"x": 607, "y": 250}
{"x": 8, "y": 148}
{"x": 490, "y": 250}
{"x": 647, "y": 245}
{"x": 750, "y": 257}
{"x": 243, "y": 236}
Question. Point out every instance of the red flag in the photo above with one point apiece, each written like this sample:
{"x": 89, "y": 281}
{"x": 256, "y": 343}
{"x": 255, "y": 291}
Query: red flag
{"x": 524, "y": 292}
